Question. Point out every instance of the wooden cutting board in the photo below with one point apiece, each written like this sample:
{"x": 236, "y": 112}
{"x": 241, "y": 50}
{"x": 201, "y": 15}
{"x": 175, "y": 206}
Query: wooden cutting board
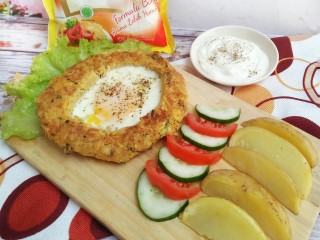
{"x": 108, "y": 190}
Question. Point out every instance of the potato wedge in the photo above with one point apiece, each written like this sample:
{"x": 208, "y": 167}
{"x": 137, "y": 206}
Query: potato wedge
{"x": 290, "y": 133}
{"x": 220, "y": 219}
{"x": 249, "y": 195}
{"x": 272, "y": 178}
{"x": 278, "y": 150}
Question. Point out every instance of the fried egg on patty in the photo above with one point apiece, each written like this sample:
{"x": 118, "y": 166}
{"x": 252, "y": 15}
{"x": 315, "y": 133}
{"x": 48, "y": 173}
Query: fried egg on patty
{"x": 138, "y": 94}
{"x": 120, "y": 99}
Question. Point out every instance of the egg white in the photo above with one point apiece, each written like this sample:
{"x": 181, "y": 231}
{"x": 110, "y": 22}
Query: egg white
{"x": 120, "y": 99}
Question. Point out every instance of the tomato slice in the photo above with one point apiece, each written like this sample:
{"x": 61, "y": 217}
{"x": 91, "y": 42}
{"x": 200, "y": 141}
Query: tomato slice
{"x": 168, "y": 186}
{"x": 189, "y": 153}
{"x": 208, "y": 128}
{"x": 86, "y": 34}
{"x": 77, "y": 32}
{"x": 74, "y": 33}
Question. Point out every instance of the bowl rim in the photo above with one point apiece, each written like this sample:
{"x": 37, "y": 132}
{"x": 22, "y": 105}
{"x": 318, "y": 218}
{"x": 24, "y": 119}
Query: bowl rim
{"x": 273, "y": 56}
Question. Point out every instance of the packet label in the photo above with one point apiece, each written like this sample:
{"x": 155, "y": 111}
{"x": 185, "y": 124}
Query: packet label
{"x": 116, "y": 20}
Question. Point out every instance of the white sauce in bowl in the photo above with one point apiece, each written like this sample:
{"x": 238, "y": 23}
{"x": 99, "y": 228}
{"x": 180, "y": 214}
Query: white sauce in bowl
{"x": 232, "y": 59}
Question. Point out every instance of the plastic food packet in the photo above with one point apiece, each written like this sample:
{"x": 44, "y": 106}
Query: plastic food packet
{"x": 117, "y": 20}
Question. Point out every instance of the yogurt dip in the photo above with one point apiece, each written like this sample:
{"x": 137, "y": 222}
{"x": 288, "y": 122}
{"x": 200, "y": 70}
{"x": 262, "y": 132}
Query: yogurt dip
{"x": 232, "y": 59}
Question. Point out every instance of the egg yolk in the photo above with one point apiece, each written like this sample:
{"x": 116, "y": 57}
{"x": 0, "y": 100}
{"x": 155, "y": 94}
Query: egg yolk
{"x": 115, "y": 103}
{"x": 120, "y": 99}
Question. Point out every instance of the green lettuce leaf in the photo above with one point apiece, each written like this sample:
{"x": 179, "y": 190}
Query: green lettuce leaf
{"x": 31, "y": 87}
{"x": 21, "y": 120}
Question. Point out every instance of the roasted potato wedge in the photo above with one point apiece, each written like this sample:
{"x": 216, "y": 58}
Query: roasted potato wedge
{"x": 220, "y": 219}
{"x": 278, "y": 150}
{"x": 272, "y": 178}
{"x": 288, "y": 132}
{"x": 248, "y": 194}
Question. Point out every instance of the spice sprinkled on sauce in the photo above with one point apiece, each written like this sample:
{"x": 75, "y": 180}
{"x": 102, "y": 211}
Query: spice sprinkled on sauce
{"x": 232, "y": 59}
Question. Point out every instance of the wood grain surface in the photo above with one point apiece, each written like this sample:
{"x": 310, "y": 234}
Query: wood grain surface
{"x": 108, "y": 191}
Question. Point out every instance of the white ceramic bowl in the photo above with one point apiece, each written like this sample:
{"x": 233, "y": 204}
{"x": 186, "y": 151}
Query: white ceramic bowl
{"x": 245, "y": 33}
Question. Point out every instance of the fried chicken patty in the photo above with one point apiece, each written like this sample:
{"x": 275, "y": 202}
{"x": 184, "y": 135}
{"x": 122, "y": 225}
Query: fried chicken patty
{"x": 72, "y": 134}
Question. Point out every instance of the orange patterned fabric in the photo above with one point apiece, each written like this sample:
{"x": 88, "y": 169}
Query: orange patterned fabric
{"x": 292, "y": 92}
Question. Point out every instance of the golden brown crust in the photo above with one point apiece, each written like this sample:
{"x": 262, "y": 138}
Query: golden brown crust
{"x": 56, "y": 103}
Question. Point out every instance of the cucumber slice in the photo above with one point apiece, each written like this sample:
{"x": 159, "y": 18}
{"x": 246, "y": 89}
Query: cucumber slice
{"x": 202, "y": 141}
{"x": 180, "y": 170}
{"x": 218, "y": 114}
{"x": 154, "y": 204}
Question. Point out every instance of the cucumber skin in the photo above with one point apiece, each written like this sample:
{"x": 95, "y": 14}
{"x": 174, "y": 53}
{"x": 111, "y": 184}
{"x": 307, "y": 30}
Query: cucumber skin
{"x": 159, "y": 219}
{"x": 216, "y": 120}
{"x": 202, "y": 146}
{"x": 181, "y": 179}
{"x": 166, "y": 218}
